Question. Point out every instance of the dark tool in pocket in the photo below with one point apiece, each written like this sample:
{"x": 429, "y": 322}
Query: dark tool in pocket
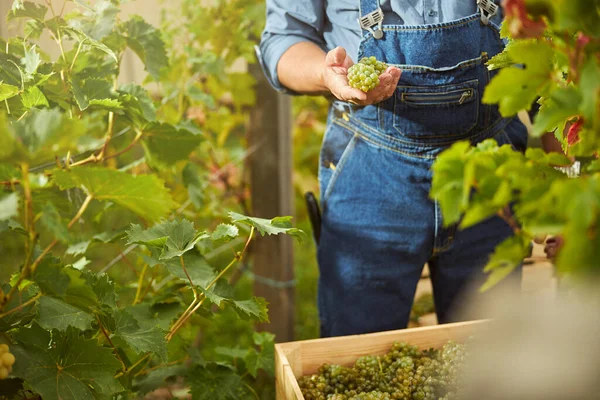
{"x": 314, "y": 214}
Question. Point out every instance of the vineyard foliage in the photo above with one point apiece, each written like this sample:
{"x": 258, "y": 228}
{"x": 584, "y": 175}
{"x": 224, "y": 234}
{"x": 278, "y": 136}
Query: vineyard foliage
{"x": 551, "y": 59}
{"x": 115, "y": 209}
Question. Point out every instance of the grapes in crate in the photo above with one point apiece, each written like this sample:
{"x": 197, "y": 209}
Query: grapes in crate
{"x": 364, "y": 75}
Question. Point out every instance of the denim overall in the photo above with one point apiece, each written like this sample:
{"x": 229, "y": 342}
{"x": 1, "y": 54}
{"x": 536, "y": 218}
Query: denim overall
{"x": 379, "y": 225}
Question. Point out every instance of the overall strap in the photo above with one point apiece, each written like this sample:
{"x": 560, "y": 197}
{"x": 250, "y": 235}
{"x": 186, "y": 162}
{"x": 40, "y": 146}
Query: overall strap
{"x": 371, "y": 17}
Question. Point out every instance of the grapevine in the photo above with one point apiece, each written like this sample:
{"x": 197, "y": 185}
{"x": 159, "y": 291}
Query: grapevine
{"x": 403, "y": 373}
{"x": 364, "y": 75}
{"x": 7, "y": 360}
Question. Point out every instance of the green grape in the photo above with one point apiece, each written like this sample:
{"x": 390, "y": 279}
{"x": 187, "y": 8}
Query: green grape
{"x": 364, "y": 75}
{"x": 6, "y": 361}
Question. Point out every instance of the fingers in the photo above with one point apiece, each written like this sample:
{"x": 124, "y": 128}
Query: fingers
{"x": 335, "y": 57}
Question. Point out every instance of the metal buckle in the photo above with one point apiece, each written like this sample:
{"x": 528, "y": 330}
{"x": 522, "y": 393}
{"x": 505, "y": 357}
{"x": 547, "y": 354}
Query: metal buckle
{"x": 488, "y": 9}
{"x": 375, "y": 18}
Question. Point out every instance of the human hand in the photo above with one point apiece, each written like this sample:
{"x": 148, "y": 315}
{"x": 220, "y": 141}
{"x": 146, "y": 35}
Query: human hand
{"x": 335, "y": 72}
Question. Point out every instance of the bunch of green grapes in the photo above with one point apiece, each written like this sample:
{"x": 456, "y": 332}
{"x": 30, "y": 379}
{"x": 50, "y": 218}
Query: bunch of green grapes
{"x": 364, "y": 75}
{"x": 403, "y": 373}
{"x": 6, "y": 361}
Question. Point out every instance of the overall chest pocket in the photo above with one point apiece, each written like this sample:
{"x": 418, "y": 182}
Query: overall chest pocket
{"x": 442, "y": 111}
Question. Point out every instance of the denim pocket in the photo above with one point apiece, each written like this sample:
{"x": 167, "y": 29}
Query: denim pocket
{"x": 338, "y": 144}
{"x": 441, "y": 111}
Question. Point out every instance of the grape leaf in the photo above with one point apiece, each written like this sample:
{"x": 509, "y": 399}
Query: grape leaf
{"x": 23, "y": 315}
{"x": 145, "y": 195}
{"x": 54, "y": 313}
{"x": 200, "y": 272}
{"x": 214, "y": 382}
{"x": 273, "y": 226}
{"x": 77, "y": 249}
{"x": 10, "y": 72}
{"x": 141, "y": 340}
{"x": 31, "y": 61}
{"x": 173, "y": 238}
{"x": 145, "y": 40}
{"x": 166, "y": 144}
{"x": 254, "y": 308}
{"x": 33, "y": 97}
{"x": 507, "y": 256}
{"x": 8, "y": 91}
{"x": 27, "y": 9}
{"x": 9, "y": 206}
{"x": 102, "y": 286}
{"x": 137, "y": 104}
{"x": 82, "y": 37}
{"x": 101, "y": 20}
{"x": 51, "y": 218}
{"x": 562, "y": 105}
{"x": 92, "y": 89}
{"x": 224, "y": 233}
{"x": 65, "y": 366}
{"x": 264, "y": 358}
{"x": 44, "y": 129}
{"x": 516, "y": 88}
{"x": 157, "y": 377}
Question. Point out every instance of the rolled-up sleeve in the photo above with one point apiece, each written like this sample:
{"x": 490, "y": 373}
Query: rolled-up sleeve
{"x": 289, "y": 22}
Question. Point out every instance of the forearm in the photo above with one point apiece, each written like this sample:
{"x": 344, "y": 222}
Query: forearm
{"x": 301, "y": 67}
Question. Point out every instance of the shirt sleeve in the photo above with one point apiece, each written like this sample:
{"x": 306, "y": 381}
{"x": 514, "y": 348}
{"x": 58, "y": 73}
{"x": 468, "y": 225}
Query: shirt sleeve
{"x": 289, "y": 22}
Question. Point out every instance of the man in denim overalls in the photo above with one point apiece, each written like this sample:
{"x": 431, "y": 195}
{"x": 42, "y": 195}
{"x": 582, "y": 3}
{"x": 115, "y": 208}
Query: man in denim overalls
{"x": 379, "y": 225}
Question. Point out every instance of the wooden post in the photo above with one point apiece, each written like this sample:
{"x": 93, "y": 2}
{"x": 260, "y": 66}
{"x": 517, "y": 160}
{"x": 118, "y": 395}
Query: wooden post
{"x": 272, "y": 195}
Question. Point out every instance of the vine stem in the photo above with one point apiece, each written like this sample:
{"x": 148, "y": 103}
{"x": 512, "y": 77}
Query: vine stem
{"x": 21, "y": 306}
{"x": 187, "y": 314}
{"x": 31, "y": 269}
{"x": 107, "y": 336}
{"x": 140, "y": 284}
{"x": 138, "y": 362}
{"x": 100, "y": 157}
{"x": 507, "y": 216}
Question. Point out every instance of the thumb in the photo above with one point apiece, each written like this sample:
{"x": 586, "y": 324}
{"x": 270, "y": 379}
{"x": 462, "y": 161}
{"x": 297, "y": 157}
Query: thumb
{"x": 335, "y": 56}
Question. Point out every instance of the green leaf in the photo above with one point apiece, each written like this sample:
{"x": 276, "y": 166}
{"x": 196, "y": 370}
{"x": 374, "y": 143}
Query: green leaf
{"x": 33, "y": 97}
{"x": 477, "y": 213}
{"x": 8, "y": 91}
{"x": 77, "y": 249}
{"x": 165, "y": 144}
{"x": 51, "y": 278}
{"x": 54, "y": 313}
{"x": 27, "y": 9}
{"x": 45, "y": 132}
{"x": 65, "y": 366}
{"x": 254, "y": 308}
{"x": 141, "y": 340}
{"x": 172, "y": 238}
{"x": 92, "y": 89}
{"x": 225, "y": 233}
{"x": 9, "y": 206}
{"x": 273, "y": 226}
{"x": 103, "y": 287}
{"x": 10, "y": 72}
{"x": 562, "y": 105}
{"x": 214, "y": 382}
{"x": 138, "y": 105}
{"x": 31, "y": 61}
{"x": 102, "y": 20}
{"x": 146, "y": 42}
{"x": 263, "y": 359}
{"x": 21, "y": 316}
{"x": 200, "y": 272}
{"x": 87, "y": 40}
{"x": 145, "y": 195}
{"x": 158, "y": 377}
{"x": 507, "y": 256}
{"x": 53, "y": 221}
{"x": 516, "y": 88}
{"x": 590, "y": 89}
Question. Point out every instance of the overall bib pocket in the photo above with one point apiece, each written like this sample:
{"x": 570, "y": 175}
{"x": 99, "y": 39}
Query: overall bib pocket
{"x": 442, "y": 111}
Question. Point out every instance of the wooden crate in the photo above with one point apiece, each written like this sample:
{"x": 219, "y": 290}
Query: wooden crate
{"x": 295, "y": 359}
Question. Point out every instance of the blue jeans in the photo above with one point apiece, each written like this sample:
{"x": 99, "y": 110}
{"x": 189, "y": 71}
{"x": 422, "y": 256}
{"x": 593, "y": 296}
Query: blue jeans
{"x": 379, "y": 224}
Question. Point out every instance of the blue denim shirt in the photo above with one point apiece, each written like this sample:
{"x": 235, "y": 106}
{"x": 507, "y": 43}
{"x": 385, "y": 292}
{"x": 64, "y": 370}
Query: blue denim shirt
{"x": 332, "y": 23}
